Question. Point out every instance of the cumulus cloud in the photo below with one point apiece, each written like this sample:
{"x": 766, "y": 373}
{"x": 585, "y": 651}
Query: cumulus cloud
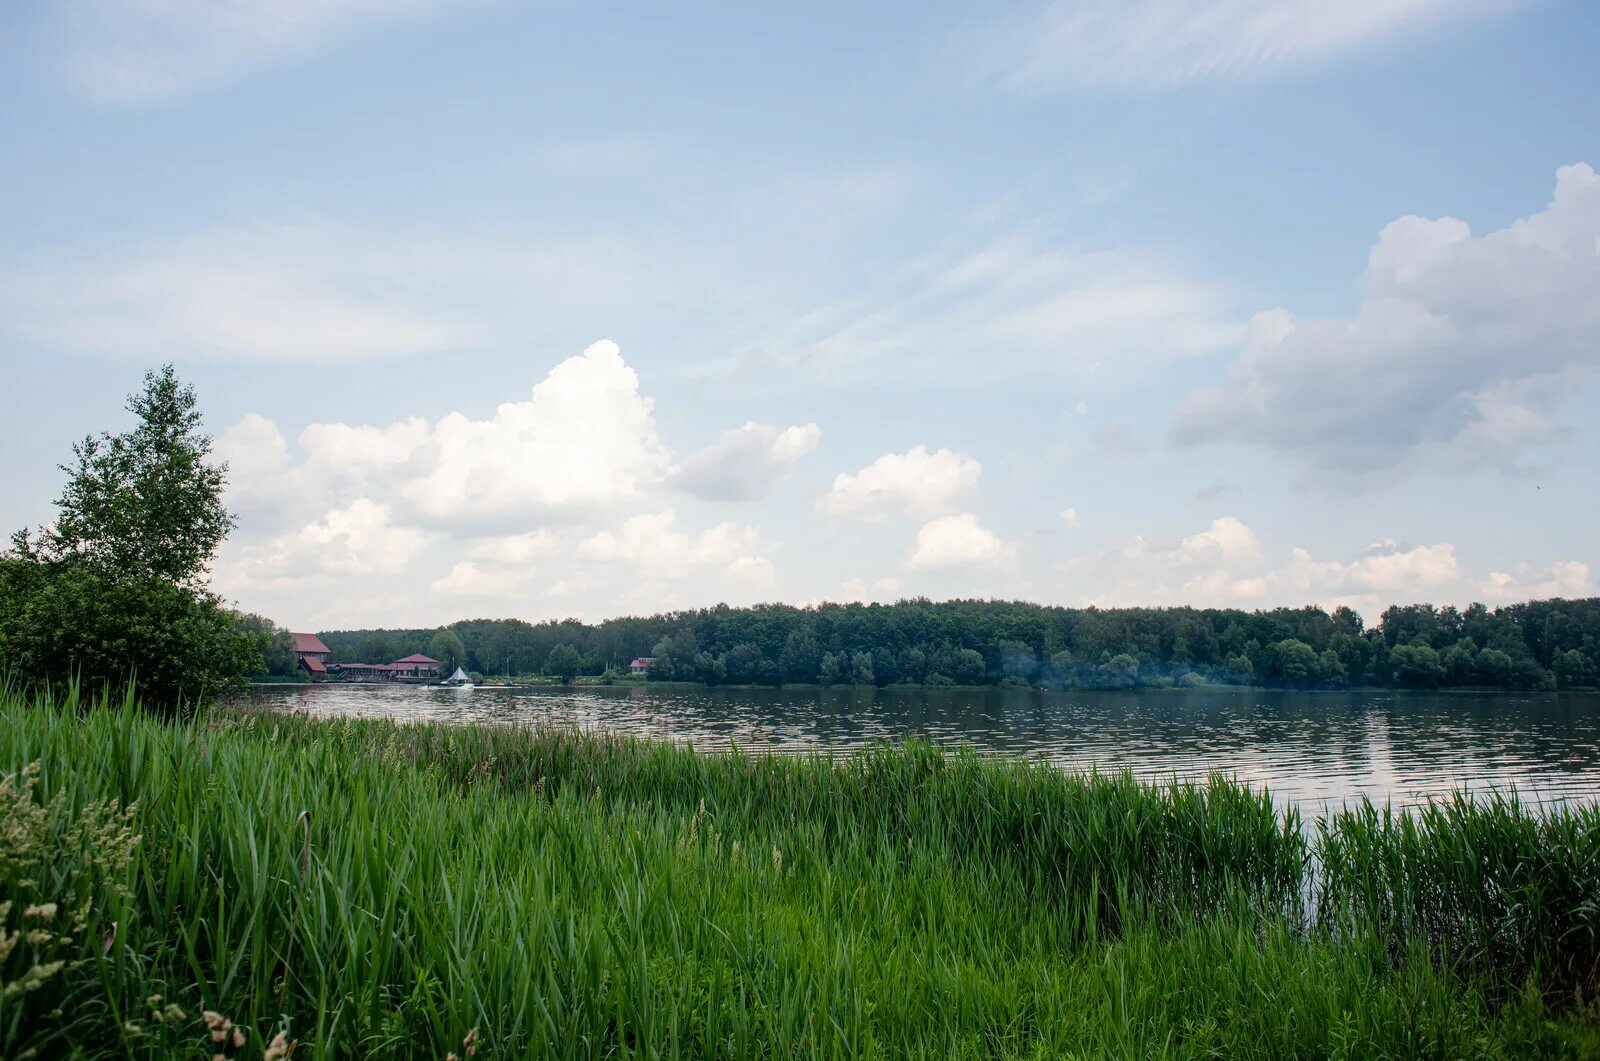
{"x": 357, "y": 539}
{"x": 1462, "y": 351}
{"x": 653, "y": 542}
{"x": 958, "y": 542}
{"x": 1565, "y": 578}
{"x": 746, "y": 462}
{"x": 585, "y": 440}
{"x": 1152, "y": 45}
{"x": 1228, "y": 564}
{"x": 915, "y": 483}
{"x": 1069, "y": 517}
{"x": 474, "y": 581}
{"x": 498, "y": 567}
{"x": 136, "y": 54}
{"x": 552, "y": 498}
{"x": 869, "y": 591}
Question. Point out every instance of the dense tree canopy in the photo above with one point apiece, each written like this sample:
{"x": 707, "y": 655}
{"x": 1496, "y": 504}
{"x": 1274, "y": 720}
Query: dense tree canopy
{"x": 1539, "y": 645}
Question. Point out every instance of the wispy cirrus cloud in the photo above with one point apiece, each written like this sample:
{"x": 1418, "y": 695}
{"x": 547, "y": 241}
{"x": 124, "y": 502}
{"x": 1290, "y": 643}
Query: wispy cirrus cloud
{"x": 1156, "y": 45}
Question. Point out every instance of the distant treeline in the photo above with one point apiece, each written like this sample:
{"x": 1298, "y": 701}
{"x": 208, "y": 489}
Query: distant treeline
{"x": 1552, "y": 644}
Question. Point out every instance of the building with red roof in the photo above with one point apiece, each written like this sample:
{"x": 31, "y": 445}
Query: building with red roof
{"x": 416, "y": 663}
{"x": 311, "y": 654}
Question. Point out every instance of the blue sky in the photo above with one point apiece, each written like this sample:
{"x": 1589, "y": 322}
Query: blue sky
{"x": 559, "y": 309}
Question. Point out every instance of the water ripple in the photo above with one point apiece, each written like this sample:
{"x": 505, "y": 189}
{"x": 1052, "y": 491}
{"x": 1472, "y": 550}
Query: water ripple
{"x": 1316, "y": 750}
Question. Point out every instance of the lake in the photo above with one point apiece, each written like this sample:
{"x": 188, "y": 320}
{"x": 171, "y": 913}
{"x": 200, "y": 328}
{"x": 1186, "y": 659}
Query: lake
{"x": 1314, "y": 748}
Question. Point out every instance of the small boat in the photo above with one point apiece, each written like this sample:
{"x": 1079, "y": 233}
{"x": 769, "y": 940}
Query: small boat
{"x": 458, "y": 680}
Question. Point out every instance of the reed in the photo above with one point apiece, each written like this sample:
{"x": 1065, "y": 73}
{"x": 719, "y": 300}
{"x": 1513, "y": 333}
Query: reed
{"x": 361, "y": 889}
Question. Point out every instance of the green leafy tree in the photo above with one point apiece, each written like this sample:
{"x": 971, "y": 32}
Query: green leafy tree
{"x": 1461, "y": 662}
{"x": 800, "y": 658}
{"x": 1294, "y": 663}
{"x": 147, "y": 501}
{"x": 276, "y": 644}
{"x": 1331, "y": 669}
{"x": 447, "y": 647}
{"x": 563, "y": 662}
{"x": 861, "y": 669}
{"x": 1416, "y": 666}
{"x": 1119, "y": 672}
{"x": 114, "y": 590}
{"x": 1573, "y": 670}
{"x": 743, "y": 664}
{"x": 1017, "y": 660}
{"x": 1496, "y": 668}
{"x": 967, "y": 666}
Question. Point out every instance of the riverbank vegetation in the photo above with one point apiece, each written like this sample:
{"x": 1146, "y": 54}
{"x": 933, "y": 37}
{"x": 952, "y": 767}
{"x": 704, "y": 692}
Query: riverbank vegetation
{"x": 1540, "y": 645}
{"x": 552, "y": 894}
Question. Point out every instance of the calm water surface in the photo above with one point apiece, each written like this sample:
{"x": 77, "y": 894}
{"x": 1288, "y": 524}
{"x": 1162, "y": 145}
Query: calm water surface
{"x": 1317, "y": 749}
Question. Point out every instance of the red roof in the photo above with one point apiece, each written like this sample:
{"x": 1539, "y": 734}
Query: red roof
{"x": 308, "y": 643}
{"x": 643, "y": 661}
{"x": 417, "y": 657}
{"x": 314, "y": 665}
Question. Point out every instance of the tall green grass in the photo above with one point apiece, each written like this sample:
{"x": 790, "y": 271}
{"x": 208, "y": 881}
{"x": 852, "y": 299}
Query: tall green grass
{"x": 372, "y": 890}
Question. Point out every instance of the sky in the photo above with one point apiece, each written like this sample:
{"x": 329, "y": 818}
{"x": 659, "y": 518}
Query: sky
{"x": 549, "y": 310}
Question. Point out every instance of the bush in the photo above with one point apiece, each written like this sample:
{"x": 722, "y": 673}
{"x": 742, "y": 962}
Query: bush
{"x": 69, "y": 622}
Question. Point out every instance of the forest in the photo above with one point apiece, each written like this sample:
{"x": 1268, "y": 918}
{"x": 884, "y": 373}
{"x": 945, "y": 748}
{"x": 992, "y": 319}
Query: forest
{"x": 1538, "y": 645}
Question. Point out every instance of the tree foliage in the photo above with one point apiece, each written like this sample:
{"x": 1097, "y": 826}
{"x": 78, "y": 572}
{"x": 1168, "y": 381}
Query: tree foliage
{"x": 447, "y": 647}
{"x": 970, "y": 642}
{"x": 114, "y": 589}
{"x": 146, "y": 502}
{"x": 563, "y": 662}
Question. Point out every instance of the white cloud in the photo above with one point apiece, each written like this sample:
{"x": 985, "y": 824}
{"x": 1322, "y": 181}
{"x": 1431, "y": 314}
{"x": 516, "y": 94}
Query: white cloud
{"x": 138, "y": 52}
{"x": 868, "y": 591}
{"x": 584, "y": 441}
{"x": 312, "y": 290}
{"x": 284, "y": 291}
{"x": 915, "y": 483}
{"x": 1227, "y": 564}
{"x": 653, "y": 543}
{"x": 746, "y": 462}
{"x": 357, "y": 539}
{"x": 515, "y": 549}
{"x": 466, "y": 497}
{"x": 1069, "y": 517}
{"x": 1152, "y": 45}
{"x": 1565, "y": 578}
{"x": 958, "y": 542}
{"x": 1228, "y": 541}
{"x": 500, "y": 567}
{"x": 1462, "y": 352}
{"x": 1016, "y": 305}
{"x": 586, "y": 438}
{"x": 474, "y": 581}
